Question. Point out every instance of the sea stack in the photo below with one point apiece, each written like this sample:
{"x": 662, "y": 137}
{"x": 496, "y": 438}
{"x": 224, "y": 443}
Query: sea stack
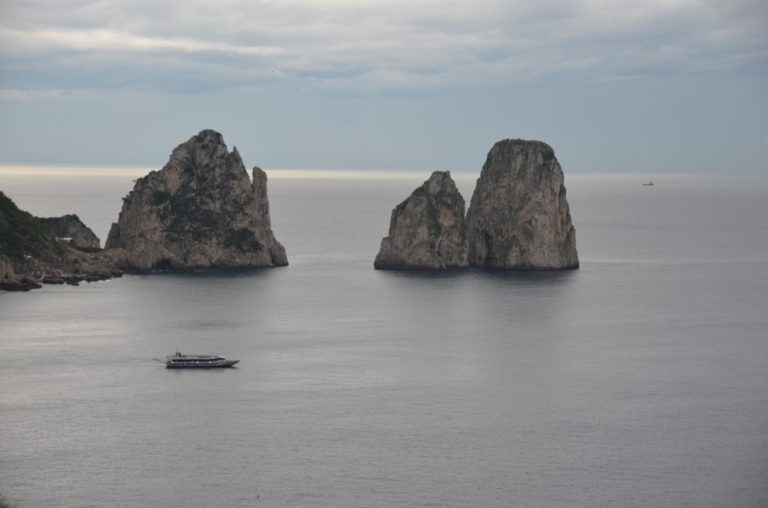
{"x": 427, "y": 230}
{"x": 199, "y": 211}
{"x": 518, "y": 217}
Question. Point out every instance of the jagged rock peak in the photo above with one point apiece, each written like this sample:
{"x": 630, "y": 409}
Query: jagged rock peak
{"x": 427, "y": 230}
{"x": 199, "y": 211}
{"x": 203, "y": 152}
{"x": 519, "y": 217}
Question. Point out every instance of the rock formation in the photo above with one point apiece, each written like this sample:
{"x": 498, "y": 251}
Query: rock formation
{"x": 22, "y": 236}
{"x": 30, "y": 256}
{"x": 199, "y": 211}
{"x": 518, "y": 217}
{"x": 71, "y": 229}
{"x": 10, "y": 281}
{"x": 427, "y": 230}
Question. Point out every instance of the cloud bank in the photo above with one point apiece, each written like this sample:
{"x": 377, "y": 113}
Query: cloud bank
{"x": 362, "y": 47}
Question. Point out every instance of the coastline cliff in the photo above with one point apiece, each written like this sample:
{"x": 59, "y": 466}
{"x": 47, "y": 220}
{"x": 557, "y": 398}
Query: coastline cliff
{"x": 30, "y": 255}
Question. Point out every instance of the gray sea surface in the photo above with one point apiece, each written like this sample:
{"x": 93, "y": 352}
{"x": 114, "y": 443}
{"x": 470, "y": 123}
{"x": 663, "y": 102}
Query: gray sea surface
{"x": 639, "y": 380}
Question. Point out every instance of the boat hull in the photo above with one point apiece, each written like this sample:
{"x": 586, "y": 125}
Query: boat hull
{"x": 201, "y": 365}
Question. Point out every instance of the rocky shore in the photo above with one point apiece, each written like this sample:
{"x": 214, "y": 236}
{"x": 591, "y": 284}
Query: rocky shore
{"x": 30, "y": 255}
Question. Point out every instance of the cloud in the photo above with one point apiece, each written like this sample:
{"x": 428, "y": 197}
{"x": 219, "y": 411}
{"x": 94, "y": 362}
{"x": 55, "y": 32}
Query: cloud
{"x": 14, "y": 94}
{"x": 110, "y": 41}
{"x": 369, "y": 46}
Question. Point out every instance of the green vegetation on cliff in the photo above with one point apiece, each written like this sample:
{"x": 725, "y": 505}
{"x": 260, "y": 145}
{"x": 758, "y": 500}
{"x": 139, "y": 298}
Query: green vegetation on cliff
{"x": 22, "y": 235}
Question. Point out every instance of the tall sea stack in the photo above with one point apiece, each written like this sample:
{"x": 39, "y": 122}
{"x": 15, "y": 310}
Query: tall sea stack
{"x": 518, "y": 217}
{"x": 427, "y": 230}
{"x": 199, "y": 211}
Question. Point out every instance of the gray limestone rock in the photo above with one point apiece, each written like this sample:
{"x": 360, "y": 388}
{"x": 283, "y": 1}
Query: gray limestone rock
{"x": 199, "y": 211}
{"x": 518, "y": 217}
{"x": 71, "y": 229}
{"x": 427, "y": 230}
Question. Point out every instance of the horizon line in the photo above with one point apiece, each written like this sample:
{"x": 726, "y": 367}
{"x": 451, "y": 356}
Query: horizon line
{"x": 136, "y": 170}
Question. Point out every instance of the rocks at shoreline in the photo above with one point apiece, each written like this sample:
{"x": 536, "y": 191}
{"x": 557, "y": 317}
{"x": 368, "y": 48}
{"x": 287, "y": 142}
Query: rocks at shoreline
{"x": 31, "y": 256}
{"x": 199, "y": 211}
{"x": 11, "y": 281}
{"x": 427, "y": 230}
{"x": 73, "y": 267}
{"x": 518, "y": 218}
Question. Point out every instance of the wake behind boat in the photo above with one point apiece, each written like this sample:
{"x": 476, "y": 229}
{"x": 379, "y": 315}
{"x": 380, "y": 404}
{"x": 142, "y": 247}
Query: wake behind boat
{"x": 180, "y": 361}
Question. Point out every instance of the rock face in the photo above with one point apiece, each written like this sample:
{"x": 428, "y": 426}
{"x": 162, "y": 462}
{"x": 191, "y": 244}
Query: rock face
{"x": 72, "y": 230}
{"x": 518, "y": 217}
{"x": 73, "y": 267}
{"x": 10, "y": 281}
{"x": 199, "y": 211}
{"x": 427, "y": 230}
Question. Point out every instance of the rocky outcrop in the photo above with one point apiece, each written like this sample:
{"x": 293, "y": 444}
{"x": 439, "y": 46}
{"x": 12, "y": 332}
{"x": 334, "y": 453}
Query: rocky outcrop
{"x": 73, "y": 267}
{"x": 518, "y": 217}
{"x": 427, "y": 230}
{"x": 22, "y": 236}
{"x": 30, "y": 256}
{"x": 10, "y": 281}
{"x": 199, "y": 211}
{"x": 70, "y": 228}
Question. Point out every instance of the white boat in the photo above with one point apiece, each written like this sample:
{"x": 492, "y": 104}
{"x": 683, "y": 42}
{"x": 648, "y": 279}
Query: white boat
{"x": 180, "y": 361}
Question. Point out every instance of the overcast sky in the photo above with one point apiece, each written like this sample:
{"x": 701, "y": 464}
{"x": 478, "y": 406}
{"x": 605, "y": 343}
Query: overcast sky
{"x": 656, "y": 85}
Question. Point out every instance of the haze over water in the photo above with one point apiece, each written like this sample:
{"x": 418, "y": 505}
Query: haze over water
{"x": 638, "y": 380}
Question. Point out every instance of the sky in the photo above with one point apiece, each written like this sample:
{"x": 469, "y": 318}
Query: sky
{"x": 611, "y": 85}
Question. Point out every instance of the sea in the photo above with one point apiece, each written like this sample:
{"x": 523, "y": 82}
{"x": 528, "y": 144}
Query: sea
{"x": 639, "y": 380}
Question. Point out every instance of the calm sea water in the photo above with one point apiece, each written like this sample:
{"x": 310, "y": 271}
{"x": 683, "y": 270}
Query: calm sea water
{"x": 639, "y": 380}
